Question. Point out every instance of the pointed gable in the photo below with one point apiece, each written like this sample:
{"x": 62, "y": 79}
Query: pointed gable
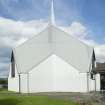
{"x": 73, "y": 51}
{"x": 53, "y": 41}
{"x": 33, "y": 51}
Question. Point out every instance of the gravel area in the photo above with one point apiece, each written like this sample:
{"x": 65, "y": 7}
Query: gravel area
{"x": 81, "y": 98}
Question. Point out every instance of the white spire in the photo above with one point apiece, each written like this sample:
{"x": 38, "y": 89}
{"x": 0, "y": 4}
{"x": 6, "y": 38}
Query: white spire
{"x": 52, "y": 18}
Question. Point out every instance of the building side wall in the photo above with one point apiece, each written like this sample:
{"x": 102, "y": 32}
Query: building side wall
{"x": 52, "y": 75}
{"x": 13, "y": 82}
{"x": 56, "y": 75}
{"x": 67, "y": 78}
{"x": 24, "y": 83}
{"x": 41, "y": 77}
{"x": 91, "y": 85}
{"x": 98, "y": 82}
{"x": 94, "y": 85}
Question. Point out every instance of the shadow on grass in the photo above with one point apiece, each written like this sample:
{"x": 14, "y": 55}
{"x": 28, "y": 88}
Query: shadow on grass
{"x": 9, "y": 101}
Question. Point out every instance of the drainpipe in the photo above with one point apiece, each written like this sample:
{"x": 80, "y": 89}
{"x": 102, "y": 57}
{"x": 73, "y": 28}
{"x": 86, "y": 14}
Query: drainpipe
{"x": 19, "y": 84}
{"x": 28, "y": 90}
{"x": 87, "y": 82}
{"x": 95, "y": 82}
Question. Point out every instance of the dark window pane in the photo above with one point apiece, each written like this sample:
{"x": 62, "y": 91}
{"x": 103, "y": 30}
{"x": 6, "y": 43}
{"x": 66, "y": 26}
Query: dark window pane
{"x": 12, "y": 65}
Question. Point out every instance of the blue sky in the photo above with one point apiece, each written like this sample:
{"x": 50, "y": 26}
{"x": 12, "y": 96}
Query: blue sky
{"x": 90, "y": 13}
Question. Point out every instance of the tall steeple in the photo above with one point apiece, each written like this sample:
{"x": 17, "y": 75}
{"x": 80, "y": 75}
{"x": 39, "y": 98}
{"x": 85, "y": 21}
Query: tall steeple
{"x": 52, "y": 17}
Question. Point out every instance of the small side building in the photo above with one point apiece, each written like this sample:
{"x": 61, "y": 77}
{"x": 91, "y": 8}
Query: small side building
{"x": 100, "y": 69}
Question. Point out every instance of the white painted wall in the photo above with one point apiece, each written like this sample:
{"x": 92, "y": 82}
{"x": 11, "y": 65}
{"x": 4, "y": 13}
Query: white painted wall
{"x": 41, "y": 77}
{"x": 91, "y": 84}
{"x": 55, "y": 75}
{"x": 67, "y": 78}
{"x": 98, "y": 82}
{"x": 24, "y": 83}
{"x": 13, "y": 83}
{"x": 94, "y": 85}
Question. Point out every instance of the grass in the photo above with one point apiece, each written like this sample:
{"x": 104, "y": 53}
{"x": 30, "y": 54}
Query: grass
{"x": 12, "y": 98}
{"x": 8, "y": 98}
{"x": 32, "y": 100}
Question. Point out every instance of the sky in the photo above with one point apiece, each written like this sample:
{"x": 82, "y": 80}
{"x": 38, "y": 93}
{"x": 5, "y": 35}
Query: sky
{"x": 22, "y": 19}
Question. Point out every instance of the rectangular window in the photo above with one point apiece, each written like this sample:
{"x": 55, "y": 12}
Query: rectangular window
{"x": 12, "y": 65}
{"x": 92, "y": 76}
{"x": 12, "y": 69}
{"x": 93, "y": 61}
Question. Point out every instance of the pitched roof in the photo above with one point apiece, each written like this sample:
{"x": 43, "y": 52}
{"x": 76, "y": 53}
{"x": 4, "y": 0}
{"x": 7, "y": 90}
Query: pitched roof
{"x": 53, "y": 40}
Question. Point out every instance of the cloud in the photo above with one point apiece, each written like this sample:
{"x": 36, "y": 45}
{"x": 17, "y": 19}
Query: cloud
{"x": 81, "y": 32}
{"x": 12, "y": 34}
{"x": 76, "y": 29}
{"x": 100, "y": 53}
{"x": 90, "y": 42}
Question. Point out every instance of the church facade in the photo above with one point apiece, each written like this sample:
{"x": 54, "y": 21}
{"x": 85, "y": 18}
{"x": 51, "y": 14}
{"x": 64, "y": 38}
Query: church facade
{"x": 53, "y": 61}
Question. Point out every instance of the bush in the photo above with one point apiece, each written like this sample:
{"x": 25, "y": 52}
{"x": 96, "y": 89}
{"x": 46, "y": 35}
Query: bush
{"x": 3, "y": 81}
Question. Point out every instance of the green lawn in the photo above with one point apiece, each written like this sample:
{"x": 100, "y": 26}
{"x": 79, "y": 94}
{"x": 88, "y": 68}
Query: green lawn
{"x": 8, "y": 98}
{"x": 32, "y": 100}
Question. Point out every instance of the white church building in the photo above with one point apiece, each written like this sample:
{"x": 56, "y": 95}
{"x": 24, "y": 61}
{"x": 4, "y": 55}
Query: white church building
{"x": 53, "y": 61}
